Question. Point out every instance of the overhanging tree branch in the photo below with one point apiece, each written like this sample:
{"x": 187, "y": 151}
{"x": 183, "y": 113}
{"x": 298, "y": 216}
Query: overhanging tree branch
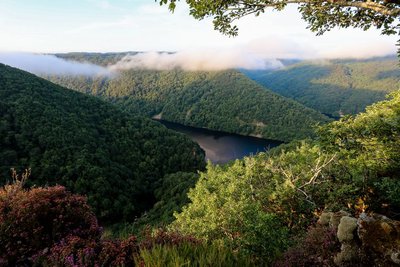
{"x": 321, "y": 15}
{"x": 386, "y": 10}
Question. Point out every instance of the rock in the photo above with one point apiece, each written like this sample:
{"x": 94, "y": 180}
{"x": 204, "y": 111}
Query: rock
{"x": 370, "y": 240}
{"x": 348, "y": 252}
{"x": 345, "y": 234}
{"x": 346, "y": 229}
{"x": 335, "y": 218}
{"x": 380, "y": 236}
{"x": 325, "y": 218}
{"x": 395, "y": 257}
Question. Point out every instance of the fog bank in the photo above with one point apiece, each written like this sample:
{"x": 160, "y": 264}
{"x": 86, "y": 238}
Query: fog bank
{"x": 200, "y": 60}
{"x": 41, "y": 64}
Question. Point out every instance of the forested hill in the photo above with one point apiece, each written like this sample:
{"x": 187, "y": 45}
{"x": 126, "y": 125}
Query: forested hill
{"x": 334, "y": 87}
{"x": 101, "y": 59}
{"x": 225, "y": 101}
{"x": 86, "y": 144}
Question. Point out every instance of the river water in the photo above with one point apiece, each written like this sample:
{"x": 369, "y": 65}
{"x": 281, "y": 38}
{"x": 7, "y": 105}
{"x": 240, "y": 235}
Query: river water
{"x": 222, "y": 147}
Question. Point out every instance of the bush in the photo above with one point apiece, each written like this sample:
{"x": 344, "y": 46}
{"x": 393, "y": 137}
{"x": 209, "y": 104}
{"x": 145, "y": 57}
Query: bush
{"x": 163, "y": 248}
{"x": 165, "y": 238}
{"x": 187, "y": 254}
{"x": 32, "y": 221}
{"x": 316, "y": 248}
{"x": 79, "y": 252}
{"x": 52, "y": 227}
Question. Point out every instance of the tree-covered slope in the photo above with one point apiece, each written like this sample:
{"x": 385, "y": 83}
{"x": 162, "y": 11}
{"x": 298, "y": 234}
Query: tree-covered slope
{"x": 334, "y": 87}
{"x": 101, "y": 59}
{"x": 225, "y": 101}
{"x": 86, "y": 144}
{"x": 255, "y": 204}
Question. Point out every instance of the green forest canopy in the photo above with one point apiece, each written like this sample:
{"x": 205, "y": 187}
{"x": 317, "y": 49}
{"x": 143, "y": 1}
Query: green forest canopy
{"x": 222, "y": 100}
{"x": 88, "y": 145}
{"x": 255, "y": 204}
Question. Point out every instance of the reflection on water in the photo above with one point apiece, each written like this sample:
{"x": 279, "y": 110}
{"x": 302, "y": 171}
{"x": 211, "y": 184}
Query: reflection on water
{"x": 222, "y": 147}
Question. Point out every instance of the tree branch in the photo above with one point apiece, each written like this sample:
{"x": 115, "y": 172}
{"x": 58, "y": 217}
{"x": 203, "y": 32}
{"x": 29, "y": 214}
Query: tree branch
{"x": 368, "y": 5}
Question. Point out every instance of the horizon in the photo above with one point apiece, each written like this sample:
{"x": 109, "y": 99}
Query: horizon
{"x": 53, "y": 64}
{"x": 101, "y": 26}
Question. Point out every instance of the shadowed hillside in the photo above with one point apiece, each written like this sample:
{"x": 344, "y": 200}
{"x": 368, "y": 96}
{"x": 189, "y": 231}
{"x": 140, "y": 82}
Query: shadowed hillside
{"x": 225, "y": 100}
{"x": 86, "y": 144}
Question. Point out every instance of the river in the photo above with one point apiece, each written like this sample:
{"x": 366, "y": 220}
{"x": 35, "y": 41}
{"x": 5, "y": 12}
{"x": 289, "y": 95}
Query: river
{"x": 221, "y": 147}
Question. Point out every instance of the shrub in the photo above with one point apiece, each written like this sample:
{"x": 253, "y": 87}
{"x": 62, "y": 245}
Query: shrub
{"x": 162, "y": 237}
{"x": 79, "y": 252}
{"x": 317, "y": 248}
{"x": 188, "y": 254}
{"x": 32, "y": 221}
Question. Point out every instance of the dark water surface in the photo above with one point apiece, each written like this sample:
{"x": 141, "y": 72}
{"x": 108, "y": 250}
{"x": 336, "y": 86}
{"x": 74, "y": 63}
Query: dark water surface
{"x": 222, "y": 147}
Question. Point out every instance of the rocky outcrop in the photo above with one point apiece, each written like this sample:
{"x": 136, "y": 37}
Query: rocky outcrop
{"x": 370, "y": 240}
{"x": 347, "y": 237}
{"x": 380, "y": 236}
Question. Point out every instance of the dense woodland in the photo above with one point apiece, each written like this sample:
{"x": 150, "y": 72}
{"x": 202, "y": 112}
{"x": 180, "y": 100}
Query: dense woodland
{"x": 226, "y": 101}
{"x": 259, "y": 211}
{"x": 101, "y": 59}
{"x": 257, "y": 203}
{"x": 83, "y": 169}
{"x": 334, "y": 87}
{"x": 159, "y": 202}
{"x": 89, "y": 146}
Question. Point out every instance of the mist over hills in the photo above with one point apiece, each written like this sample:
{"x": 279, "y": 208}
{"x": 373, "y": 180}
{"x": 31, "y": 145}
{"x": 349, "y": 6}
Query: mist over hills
{"x": 188, "y": 60}
{"x": 136, "y": 172}
{"x": 220, "y": 100}
{"x": 164, "y": 85}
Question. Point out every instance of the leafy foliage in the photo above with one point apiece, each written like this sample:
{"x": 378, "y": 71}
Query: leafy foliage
{"x": 321, "y": 15}
{"x": 52, "y": 227}
{"x": 192, "y": 255}
{"x": 370, "y": 148}
{"x": 226, "y": 206}
{"x": 334, "y": 87}
{"x": 225, "y": 101}
{"x": 87, "y": 145}
{"x": 171, "y": 196}
{"x": 348, "y": 167}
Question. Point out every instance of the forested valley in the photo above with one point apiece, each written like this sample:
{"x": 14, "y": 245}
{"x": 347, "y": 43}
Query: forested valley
{"x": 294, "y": 205}
{"x": 219, "y": 100}
{"x": 91, "y": 180}
{"x": 89, "y": 146}
{"x": 195, "y": 149}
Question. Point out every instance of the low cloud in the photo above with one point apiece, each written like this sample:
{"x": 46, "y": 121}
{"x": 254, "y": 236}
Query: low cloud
{"x": 48, "y": 64}
{"x": 258, "y": 54}
{"x": 208, "y": 60}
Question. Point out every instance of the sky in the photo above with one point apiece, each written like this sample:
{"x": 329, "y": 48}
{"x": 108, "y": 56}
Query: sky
{"x": 48, "y": 26}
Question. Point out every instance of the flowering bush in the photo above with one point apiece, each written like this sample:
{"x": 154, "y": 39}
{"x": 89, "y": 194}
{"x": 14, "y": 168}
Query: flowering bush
{"x": 32, "y": 221}
{"x": 52, "y": 227}
{"x": 317, "y": 248}
{"x": 79, "y": 252}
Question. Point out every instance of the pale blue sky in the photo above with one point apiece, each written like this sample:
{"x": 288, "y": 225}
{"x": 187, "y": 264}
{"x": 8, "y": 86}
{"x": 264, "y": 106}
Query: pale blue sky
{"x": 132, "y": 25}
